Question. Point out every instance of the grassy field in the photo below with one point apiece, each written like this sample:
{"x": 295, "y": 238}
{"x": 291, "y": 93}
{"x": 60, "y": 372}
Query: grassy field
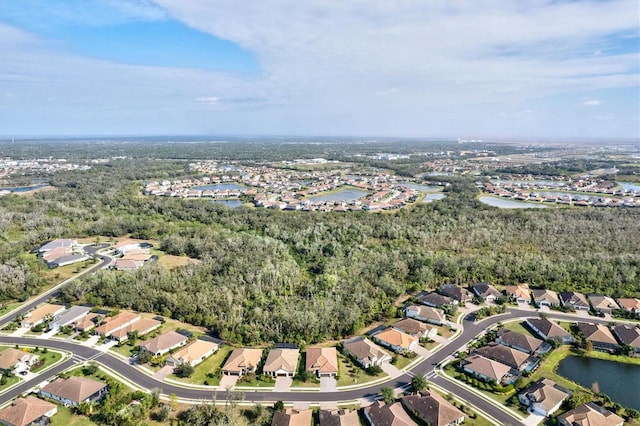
{"x": 10, "y": 382}
{"x": 9, "y": 307}
{"x": 402, "y": 361}
{"x": 65, "y": 417}
{"x": 207, "y": 366}
{"x": 518, "y": 327}
{"x": 610, "y": 357}
{"x": 49, "y": 359}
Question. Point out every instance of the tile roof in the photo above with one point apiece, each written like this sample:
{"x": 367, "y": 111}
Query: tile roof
{"x": 10, "y": 357}
{"x": 396, "y": 338}
{"x": 323, "y": 360}
{"x": 590, "y": 414}
{"x": 388, "y": 415}
{"x": 549, "y": 328}
{"x": 194, "y": 351}
{"x": 519, "y": 291}
{"x": 413, "y": 327}
{"x": 281, "y": 359}
{"x": 597, "y": 333}
{"x": 24, "y": 411}
{"x": 116, "y": 322}
{"x": 629, "y": 304}
{"x": 546, "y": 393}
{"x": 290, "y": 417}
{"x": 42, "y": 311}
{"x": 142, "y": 326}
{"x": 164, "y": 342}
{"x": 243, "y": 358}
{"x": 339, "y": 418}
{"x": 487, "y": 367}
{"x": 543, "y": 295}
{"x": 427, "y": 312}
{"x": 363, "y": 349}
{"x": 75, "y": 389}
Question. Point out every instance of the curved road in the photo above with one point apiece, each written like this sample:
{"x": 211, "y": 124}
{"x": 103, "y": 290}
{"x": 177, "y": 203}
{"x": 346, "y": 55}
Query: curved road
{"x": 471, "y": 330}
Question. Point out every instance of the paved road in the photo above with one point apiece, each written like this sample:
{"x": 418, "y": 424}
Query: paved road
{"x": 471, "y": 330}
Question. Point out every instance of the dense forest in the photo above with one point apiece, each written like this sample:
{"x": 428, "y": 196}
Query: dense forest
{"x": 268, "y": 276}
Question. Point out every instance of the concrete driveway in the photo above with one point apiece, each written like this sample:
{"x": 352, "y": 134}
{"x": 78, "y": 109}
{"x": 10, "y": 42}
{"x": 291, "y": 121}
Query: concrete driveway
{"x": 283, "y": 384}
{"x": 328, "y": 384}
{"x": 228, "y": 382}
{"x": 163, "y": 372}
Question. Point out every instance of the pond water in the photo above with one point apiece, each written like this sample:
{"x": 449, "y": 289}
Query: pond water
{"x": 418, "y": 187}
{"x": 630, "y": 186}
{"x": 510, "y": 204}
{"x": 433, "y": 197}
{"x": 218, "y": 187}
{"x": 24, "y": 188}
{"x": 615, "y": 379}
{"x": 341, "y": 195}
{"x": 531, "y": 182}
{"x": 573, "y": 196}
{"x": 229, "y": 203}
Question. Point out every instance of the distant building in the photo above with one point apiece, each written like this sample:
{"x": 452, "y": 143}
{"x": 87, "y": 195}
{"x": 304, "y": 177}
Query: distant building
{"x": 416, "y": 328}
{"x": 629, "y": 304}
{"x": 164, "y": 343}
{"x": 590, "y": 414}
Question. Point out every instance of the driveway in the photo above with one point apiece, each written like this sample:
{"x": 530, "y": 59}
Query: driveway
{"x": 328, "y": 384}
{"x": 423, "y": 352}
{"x": 228, "y": 382}
{"x": 283, "y": 384}
{"x": 163, "y": 372}
{"x": 391, "y": 369}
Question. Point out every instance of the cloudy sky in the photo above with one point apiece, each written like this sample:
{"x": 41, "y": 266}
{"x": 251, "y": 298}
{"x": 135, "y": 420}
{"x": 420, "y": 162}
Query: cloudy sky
{"x": 426, "y": 68}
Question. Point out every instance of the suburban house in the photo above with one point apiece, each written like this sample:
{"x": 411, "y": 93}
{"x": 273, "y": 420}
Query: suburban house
{"x": 291, "y": 417}
{"x": 164, "y": 343}
{"x": 485, "y": 368}
{"x": 549, "y": 330}
{"x": 432, "y": 409}
{"x": 504, "y": 354}
{"x": 193, "y": 353}
{"x": 74, "y": 390}
{"x": 416, "y": 328}
{"x": 17, "y": 360}
{"x": 435, "y": 300}
{"x": 322, "y": 361}
{"x": 380, "y": 413}
{"x": 28, "y": 411}
{"x": 69, "y": 316}
{"x": 86, "y": 323}
{"x": 599, "y": 336}
{"x": 628, "y": 334}
{"x": 142, "y": 326}
{"x": 117, "y": 322}
{"x": 629, "y": 304}
{"x": 522, "y": 342}
{"x": 341, "y": 417}
{"x": 126, "y": 245}
{"x": 365, "y": 352}
{"x": 242, "y": 361}
{"x": 590, "y": 414}
{"x": 574, "y": 299}
{"x": 543, "y": 397}
{"x": 460, "y": 294}
{"x": 62, "y": 252}
{"x": 486, "y": 291}
{"x": 281, "y": 362}
{"x": 544, "y": 297}
{"x": 520, "y": 293}
{"x": 396, "y": 340}
{"x": 602, "y": 304}
{"x": 426, "y": 313}
{"x": 56, "y": 244}
{"x": 42, "y": 313}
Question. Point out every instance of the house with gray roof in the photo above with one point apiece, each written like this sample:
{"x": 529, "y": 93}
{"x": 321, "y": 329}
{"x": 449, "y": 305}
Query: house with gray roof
{"x": 549, "y": 330}
{"x": 504, "y": 354}
{"x": 426, "y": 313}
{"x": 602, "y": 304}
{"x": 544, "y": 297}
{"x": 486, "y": 291}
{"x": 435, "y": 300}
{"x": 628, "y": 334}
{"x": 544, "y": 397}
{"x": 69, "y": 316}
{"x": 573, "y": 299}
{"x": 522, "y": 342}
{"x": 599, "y": 336}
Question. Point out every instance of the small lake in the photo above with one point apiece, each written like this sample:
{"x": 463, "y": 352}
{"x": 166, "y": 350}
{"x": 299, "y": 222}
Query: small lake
{"x": 531, "y": 182}
{"x": 630, "y": 186}
{"x": 573, "y": 196}
{"x": 219, "y": 187}
{"x": 423, "y": 188}
{"x": 346, "y": 195}
{"x": 24, "y": 188}
{"x": 232, "y": 204}
{"x": 510, "y": 204}
{"x": 433, "y": 197}
{"x": 616, "y": 379}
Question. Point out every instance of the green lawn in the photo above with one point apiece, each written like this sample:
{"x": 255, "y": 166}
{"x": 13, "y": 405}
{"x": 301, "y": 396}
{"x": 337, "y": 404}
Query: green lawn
{"x": 351, "y": 374}
{"x": 516, "y": 326}
{"x": 9, "y": 307}
{"x": 65, "y": 417}
{"x": 10, "y": 382}
{"x": 207, "y": 366}
{"x": 402, "y": 361}
{"x": 49, "y": 359}
{"x": 615, "y": 358}
{"x": 430, "y": 345}
{"x": 125, "y": 349}
{"x": 257, "y": 383}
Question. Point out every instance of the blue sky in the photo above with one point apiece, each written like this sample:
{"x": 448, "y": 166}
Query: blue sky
{"x": 486, "y": 69}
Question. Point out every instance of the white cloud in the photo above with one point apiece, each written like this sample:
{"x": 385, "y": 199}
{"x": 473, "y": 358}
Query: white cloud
{"x": 208, "y": 100}
{"x": 591, "y": 102}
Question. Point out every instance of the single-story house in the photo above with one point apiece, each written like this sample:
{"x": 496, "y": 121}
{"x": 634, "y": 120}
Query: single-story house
{"x": 17, "y": 360}
{"x": 193, "y": 353}
{"x": 544, "y": 297}
{"x": 142, "y": 326}
{"x": 520, "y": 293}
{"x": 281, "y": 362}
{"x": 340, "y": 417}
{"x": 486, "y": 291}
{"x": 629, "y": 304}
{"x": 575, "y": 299}
{"x": 603, "y": 304}
{"x": 599, "y": 336}
{"x": 85, "y": 323}
{"x": 628, "y": 334}
{"x": 242, "y": 361}
{"x": 62, "y": 252}
{"x": 365, "y": 352}
{"x": 380, "y": 413}
{"x": 432, "y": 409}
{"x": 74, "y": 390}
{"x": 485, "y": 368}
{"x": 543, "y": 397}
{"x": 504, "y": 354}
{"x": 396, "y": 340}
{"x": 521, "y": 342}
{"x": 590, "y": 414}
{"x": 117, "y": 322}
{"x": 164, "y": 343}
{"x": 128, "y": 264}
{"x": 416, "y": 328}
{"x": 435, "y": 300}
{"x": 291, "y": 417}
{"x": 426, "y": 313}
{"x": 42, "y": 313}
{"x": 126, "y": 245}
{"x": 59, "y": 243}
{"x": 28, "y": 411}
{"x": 549, "y": 330}
{"x": 322, "y": 361}
{"x": 69, "y": 316}
{"x": 462, "y": 295}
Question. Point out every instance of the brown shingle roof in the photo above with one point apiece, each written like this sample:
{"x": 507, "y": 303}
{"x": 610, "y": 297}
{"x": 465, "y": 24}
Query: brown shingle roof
{"x": 512, "y": 338}
{"x": 504, "y": 354}
{"x": 546, "y": 393}
{"x": 281, "y": 359}
{"x": 432, "y": 409}
{"x": 163, "y": 342}
{"x": 323, "y": 360}
{"x": 194, "y": 351}
{"x": 413, "y": 327}
{"x": 628, "y": 334}
{"x": 590, "y": 414}
{"x": 339, "y": 418}
{"x": 597, "y": 333}
{"x": 487, "y": 367}
{"x": 549, "y": 328}
{"x": 25, "y": 411}
{"x": 243, "y": 358}
{"x": 388, "y": 415}
{"x": 10, "y": 357}
{"x": 291, "y": 417}
{"x": 75, "y": 389}
{"x": 428, "y": 312}
{"x": 364, "y": 350}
